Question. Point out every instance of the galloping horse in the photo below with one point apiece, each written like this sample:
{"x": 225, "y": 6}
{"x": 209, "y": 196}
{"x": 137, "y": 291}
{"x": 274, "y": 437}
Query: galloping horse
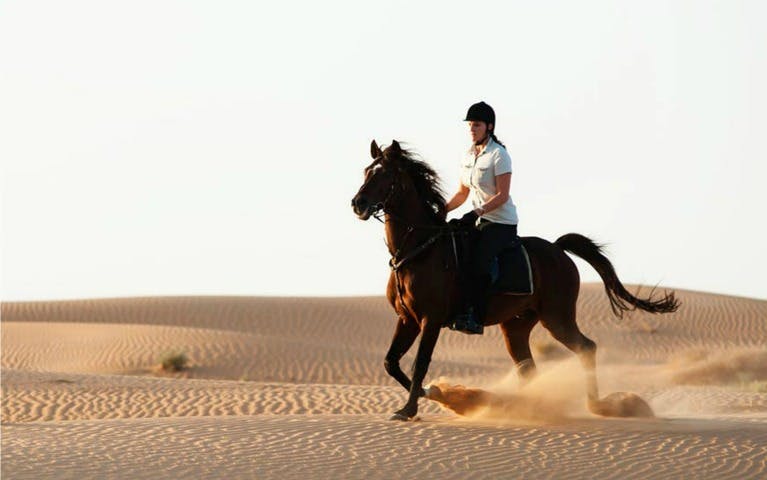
{"x": 423, "y": 286}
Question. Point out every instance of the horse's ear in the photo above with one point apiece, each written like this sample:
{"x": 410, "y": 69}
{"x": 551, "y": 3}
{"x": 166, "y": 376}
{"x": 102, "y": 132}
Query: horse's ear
{"x": 395, "y": 148}
{"x": 375, "y": 151}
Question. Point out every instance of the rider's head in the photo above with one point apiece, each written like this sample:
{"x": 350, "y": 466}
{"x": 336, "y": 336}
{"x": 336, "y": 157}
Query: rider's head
{"x": 481, "y": 118}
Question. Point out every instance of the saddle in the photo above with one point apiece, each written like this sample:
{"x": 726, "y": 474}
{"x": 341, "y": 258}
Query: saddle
{"x": 510, "y": 272}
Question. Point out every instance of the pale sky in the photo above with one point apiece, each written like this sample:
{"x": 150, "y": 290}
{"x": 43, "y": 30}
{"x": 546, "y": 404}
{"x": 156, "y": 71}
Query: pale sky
{"x": 194, "y": 148}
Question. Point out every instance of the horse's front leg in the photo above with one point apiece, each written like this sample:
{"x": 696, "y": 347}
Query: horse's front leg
{"x": 431, "y": 329}
{"x": 404, "y": 335}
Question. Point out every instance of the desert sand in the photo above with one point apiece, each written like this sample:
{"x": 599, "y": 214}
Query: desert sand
{"x": 295, "y": 388}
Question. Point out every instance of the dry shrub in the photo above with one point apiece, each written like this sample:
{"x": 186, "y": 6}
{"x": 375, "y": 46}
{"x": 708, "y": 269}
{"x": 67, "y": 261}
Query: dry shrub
{"x": 174, "y": 362}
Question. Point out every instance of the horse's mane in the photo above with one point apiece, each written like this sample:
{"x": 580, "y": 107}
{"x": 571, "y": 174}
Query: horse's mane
{"x": 425, "y": 180}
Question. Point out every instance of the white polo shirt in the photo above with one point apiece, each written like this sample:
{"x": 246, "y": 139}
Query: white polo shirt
{"x": 479, "y": 175}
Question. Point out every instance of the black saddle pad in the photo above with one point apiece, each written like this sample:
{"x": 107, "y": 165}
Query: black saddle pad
{"x": 511, "y": 271}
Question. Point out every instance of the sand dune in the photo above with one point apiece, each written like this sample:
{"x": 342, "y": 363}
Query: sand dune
{"x": 295, "y": 388}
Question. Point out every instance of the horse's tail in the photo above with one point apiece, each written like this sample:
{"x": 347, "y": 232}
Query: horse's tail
{"x": 620, "y": 299}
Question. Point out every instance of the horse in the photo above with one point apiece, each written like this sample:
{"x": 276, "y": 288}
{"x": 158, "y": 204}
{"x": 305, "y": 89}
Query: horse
{"x": 423, "y": 288}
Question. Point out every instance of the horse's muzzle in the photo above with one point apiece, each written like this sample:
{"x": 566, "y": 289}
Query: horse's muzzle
{"x": 361, "y": 207}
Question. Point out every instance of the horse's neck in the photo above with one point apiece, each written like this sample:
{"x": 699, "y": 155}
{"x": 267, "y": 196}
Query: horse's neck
{"x": 403, "y": 236}
{"x": 402, "y": 228}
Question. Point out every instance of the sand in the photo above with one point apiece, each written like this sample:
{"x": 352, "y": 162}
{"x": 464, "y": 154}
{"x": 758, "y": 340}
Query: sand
{"x": 295, "y": 388}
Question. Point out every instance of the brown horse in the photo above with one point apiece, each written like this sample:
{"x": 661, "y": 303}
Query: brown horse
{"x": 423, "y": 285}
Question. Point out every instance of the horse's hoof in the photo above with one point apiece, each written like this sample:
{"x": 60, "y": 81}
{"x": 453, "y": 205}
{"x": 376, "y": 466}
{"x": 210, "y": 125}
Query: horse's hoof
{"x": 621, "y": 404}
{"x": 399, "y": 416}
{"x": 430, "y": 392}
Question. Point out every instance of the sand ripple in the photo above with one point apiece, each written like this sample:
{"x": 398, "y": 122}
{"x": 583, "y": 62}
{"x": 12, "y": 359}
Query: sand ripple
{"x": 297, "y": 446}
{"x": 31, "y": 397}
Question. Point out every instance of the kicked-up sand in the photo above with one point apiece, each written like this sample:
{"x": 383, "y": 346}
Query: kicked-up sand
{"x": 295, "y": 388}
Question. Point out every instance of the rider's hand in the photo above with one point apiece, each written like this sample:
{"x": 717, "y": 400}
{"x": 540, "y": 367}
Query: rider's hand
{"x": 469, "y": 219}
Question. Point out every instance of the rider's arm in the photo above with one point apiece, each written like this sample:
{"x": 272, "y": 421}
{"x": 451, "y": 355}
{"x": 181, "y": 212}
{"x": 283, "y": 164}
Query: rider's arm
{"x": 460, "y": 196}
{"x": 502, "y": 186}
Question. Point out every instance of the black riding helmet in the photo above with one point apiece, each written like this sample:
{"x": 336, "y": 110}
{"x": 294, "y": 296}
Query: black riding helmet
{"x": 480, "y": 112}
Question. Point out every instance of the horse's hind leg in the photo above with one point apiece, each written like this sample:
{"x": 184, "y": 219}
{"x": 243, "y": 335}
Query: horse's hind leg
{"x": 563, "y": 328}
{"x": 516, "y": 332}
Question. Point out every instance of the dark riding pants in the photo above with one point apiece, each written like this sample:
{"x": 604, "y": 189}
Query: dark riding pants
{"x": 490, "y": 239}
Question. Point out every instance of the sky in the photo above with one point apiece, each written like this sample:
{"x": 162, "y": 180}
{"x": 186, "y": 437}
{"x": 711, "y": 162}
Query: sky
{"x": 213, "y": 148}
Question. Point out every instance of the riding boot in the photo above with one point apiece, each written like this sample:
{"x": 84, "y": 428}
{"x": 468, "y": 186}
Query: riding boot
{"x": 466, "y": 321}
{"x": 469, "y": 319}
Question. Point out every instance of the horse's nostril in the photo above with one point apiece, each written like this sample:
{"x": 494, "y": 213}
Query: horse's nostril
{"x": 359, "y": 204}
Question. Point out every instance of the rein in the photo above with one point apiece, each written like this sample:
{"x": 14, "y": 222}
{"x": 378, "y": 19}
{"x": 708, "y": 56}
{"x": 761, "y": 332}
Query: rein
{"x": 396, "y": 262}
{"x": 379, "y": 210}
{"x": 396, "y": 265}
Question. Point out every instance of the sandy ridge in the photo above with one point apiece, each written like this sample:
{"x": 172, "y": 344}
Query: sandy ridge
{"x": 705, "y": 320}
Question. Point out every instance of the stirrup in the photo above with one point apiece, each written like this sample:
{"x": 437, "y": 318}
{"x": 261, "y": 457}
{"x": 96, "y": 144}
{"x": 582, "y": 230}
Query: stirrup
{"x": 467, "y": 322}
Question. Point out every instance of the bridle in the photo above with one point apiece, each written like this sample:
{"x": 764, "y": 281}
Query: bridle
{"x": 375, "y": 210}
{"x": 379, "y": 209}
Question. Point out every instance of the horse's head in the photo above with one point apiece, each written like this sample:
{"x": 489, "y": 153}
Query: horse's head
{"x": 379, "y": 182}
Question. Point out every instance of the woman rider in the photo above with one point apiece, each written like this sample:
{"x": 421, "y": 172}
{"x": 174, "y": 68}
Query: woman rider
{"x": 486, "y": 177}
